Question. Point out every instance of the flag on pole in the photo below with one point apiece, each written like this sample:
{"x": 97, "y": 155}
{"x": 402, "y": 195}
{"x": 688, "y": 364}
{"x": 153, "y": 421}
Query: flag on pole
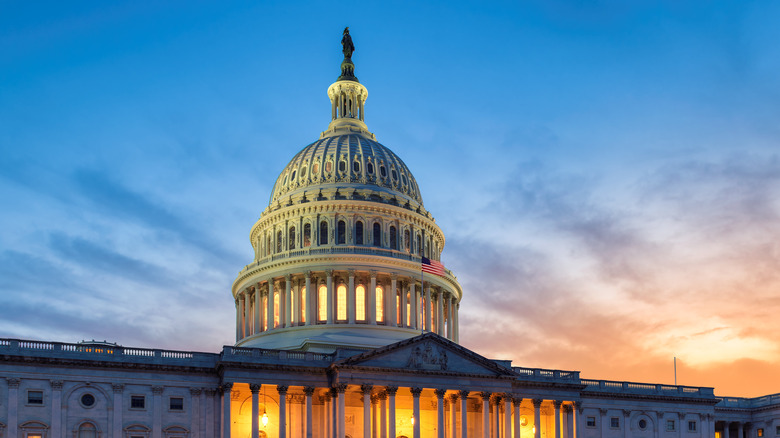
{"x": 432, "y": 267}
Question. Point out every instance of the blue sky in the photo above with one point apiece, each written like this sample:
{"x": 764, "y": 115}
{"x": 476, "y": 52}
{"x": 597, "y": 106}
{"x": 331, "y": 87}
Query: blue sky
{"x": 606, "y": 173}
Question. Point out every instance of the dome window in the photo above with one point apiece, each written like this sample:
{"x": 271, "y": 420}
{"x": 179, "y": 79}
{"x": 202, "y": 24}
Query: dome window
{"x": 407, "y": 241}
{"x": 329, "y": 166}
{"x": 359, "y": 233}
{"x": 342, "y": 166}
{"x": 377, "y": 235}
{"x": 356, "y": 166}
{"x": 315, "y": 168}
{"x": 383, "y": 171}
{"x": 370, "y": 168}
{"x": 393, "y": 238}
{"x": 403, "y": 178}
{"x": 323, "y": 233}
{"x": 394, "y": 173}
{"x": 341, "y": 233}
{"x": 284, "y": 182}
{"x": 292, "y": 177}
{"x": 291, "y": 240}
{"x": 306, "y": 235}
{"x": 279, "y": 241}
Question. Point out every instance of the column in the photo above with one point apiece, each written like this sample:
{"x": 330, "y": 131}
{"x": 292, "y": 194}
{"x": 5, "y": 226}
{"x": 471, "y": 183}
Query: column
{"x": 351, "y": 297}
{"x": 440, "y": 312}
{"x": 440, "y": 412}
{"x": 427, "y": 309}
{"x": 383, "y": 414}
{"x": 538, "y": 418}
{"x": 602, "y": 420}
{"x": 404, "y": 290}
{"x": 282, "y": 410}
{"x": 457, "y": 322}
{"x": 570, "y": 421}
{"x": 366, "y": 390}
{"x": 340, "y": 409}
{"x": 308, "y": 391}
{"x": 328, "y": 414}
{"x": 486, "y": 414}
{"x": 557, "y": 412}
{"x": 392, "y": 319}
{"x": 415, "y": 314}
{"x": 311, "y": 301}
{"x": 449, "y": 301}
{"x": 453, "y": 415}
{"x": 118, "y": 388}
{"x": 239, "y": 317}
{"x": 391, "y": 390}
{"x": 577, "y": 412}
{"x": 157, "y": 414}
{"x": 247, "y": 313}
{"x": 371, "y": 311}
{"x": 416, "y": 410}
{"x": 726, "y": 425}
{"x": 375, "y": 422}
{"x": 56, "y": 409}
{"x": 255, "y": 389}
{"x": 195, "y": 431}
{"x": 209, "y": 422}
{"x": 516, "y": 405}
{"x": 226, "y": 387}
{"x": 741, "y": 430}
{"x": 270, "y": 304}
{"x": 626, "y": 428}
{"x": 258, "y": 309}
{"x": 13, "y": 405}
{"x": 464, "y": 404}
{"x": 507, "y": 415}
{"x": 329, "y": 284}
{"x": 497, "y": 416}
{"x": 285, "y": 303}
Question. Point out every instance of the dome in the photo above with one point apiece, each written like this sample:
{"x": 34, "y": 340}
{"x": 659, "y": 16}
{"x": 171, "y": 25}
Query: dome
{"x": 352, "y": 163}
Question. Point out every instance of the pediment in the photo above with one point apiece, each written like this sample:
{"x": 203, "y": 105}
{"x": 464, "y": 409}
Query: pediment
{"x": 427, "y": 353}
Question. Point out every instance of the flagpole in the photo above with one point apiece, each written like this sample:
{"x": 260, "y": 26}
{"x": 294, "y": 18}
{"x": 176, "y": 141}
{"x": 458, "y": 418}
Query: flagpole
{"x": 422, "y": 288}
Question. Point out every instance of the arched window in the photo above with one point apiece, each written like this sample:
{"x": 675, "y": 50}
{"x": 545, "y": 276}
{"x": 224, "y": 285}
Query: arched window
{"x": 419, "y": 245}
{"x": 398, "y": 312}
{"x": 341, "y": 303}
{"x": 341, "y": 233}
{"x": 360, "y": 303}
{"x": 380, "y": 304}
{"x": 407, "y": 242}
{"x": 291, "y": 240}
{"x": 324, "y": 233}
{"x": 276, "y": 309}
{"x": 279, "y": 241}
{"x": 303, "y": 304}
{"x": 377, "y": 235}
{"x": 306, "y": 235}
{"x": 428, "y": 247}
{"x": 322, "y": 303}
{"x": 359, "y": 233}
{"x": 265, "y": 313}
{"x": 268, "y": 245}
{"x": 393, "y": 238}
{"x": 87, "y": 430}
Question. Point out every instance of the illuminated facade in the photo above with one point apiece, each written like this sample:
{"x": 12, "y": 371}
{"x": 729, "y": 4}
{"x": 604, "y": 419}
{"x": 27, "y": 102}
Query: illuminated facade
{"x": 338, "y": 334}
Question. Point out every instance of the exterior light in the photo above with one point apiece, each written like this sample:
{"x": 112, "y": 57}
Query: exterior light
{"x": 264, "y": 419}
{"x": 412, "y": 420}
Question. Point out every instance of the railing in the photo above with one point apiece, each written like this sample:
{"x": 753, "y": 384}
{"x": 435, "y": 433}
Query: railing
{"x": 646, "y": 388}
{"x": 545, "y": 374}
{"x": 745, "y": 402}
{"x": 247, "y": 353}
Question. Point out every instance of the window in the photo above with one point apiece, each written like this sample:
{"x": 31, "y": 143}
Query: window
{"x": 87, "y": 400}
{"x": 419, "y": 245}
{"x": 383, "y": 171}
{"x": 176, "y": 404}
{"x": 328, "y": 166}
{"x": 277, "y": 304}
{"x": 356, "y": 167}
{"x": 759, "y": 432}
{"x": 137, "y": 402}
{"x": 370, "y": 168}
{"x": 315, "y": 168}
{"x": 642, "y": 424}
{"x": 777, "y": 430}
{"x": 342, "y": 166}
{"x": 359, "y": 233}
{"x": 393, "y": 238}
{"x": 670, "y": 425}
{"x": 87, "y": 430}
{"x": 360, "y": 302}
{"x": 323, "y": 233}
{"x": 380, "y": 304}
{"x": 614, "y": 422}
{"x": 268, "y": 245}
{"x": 407, "y": 243}
{"x": 341, "y": 303}
{"x": 377, "y": 234}
{"x": 591, "y": 422}
{"x": 292, "y": 177}
{"x": 303, "y": 304}
{"x": 322, "y": 303}
{"x": 395, "y": 175}
{"x": 279, "y": 241}
{"x": 306, "y": 235}
{"x": 341, "y": 233}
{"x": 691, "y": 426}
{"x": 291, "y": 240}
{"x": 35, "y": 397}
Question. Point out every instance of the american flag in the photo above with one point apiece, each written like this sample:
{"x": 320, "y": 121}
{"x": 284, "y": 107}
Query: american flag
{"x": 432, "y": 267}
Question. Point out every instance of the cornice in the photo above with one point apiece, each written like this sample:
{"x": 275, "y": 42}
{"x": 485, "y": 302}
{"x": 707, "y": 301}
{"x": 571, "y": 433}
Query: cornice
{"x": 655, "y": 397}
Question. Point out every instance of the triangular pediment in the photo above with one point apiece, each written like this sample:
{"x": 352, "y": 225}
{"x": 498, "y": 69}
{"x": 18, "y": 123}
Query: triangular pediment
{"x": 427, "y": 353}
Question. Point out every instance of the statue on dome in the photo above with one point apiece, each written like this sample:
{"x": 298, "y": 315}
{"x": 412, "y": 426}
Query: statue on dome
{"x": 346, "y": 42}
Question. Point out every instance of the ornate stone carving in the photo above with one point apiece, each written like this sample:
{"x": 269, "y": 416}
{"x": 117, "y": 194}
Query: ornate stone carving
{"x": 56, "y": 385}
{"x": 195, "y": 392}
{"x": 210, "y": 392}
{"x": 626, "y": 413}
{"x": 13, "y": 382}
{"x": 485, "y": 395}
{"x": 454, "y": 397}
{"x": 557, "y": 404}
{"x": 226, "y": 387}
{"x": 308, "y": 390}
{"x": 157, "y": 390}
{"x": 517, "y": 401}
{"x": 416, "y": 392}
{"x": 537, "y": 402}
{"x": 579, "y": 407}
{"x": 118, "y": 387}
{"x": 391, "y": 390}
{"x": 464, "y": 393}
{"x": 603, "y": 411}
{"x": 340, "y": 388}
{"x": 427, "y": 357}
{"x": 366, "y": 388}
{"x": 440, "y": 393}
{"x": 254, "y": 388}
{"x": 282, "y": 389}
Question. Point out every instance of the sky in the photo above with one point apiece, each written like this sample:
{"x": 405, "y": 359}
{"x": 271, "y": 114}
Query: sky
{"x": 606, "y": 173}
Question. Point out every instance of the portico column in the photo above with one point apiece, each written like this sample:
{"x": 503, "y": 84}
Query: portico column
{"x": 440, "y": 412}
{"x": 383, "y": 414}
{"x": 427, "y": 309}
{"x": 557, "y": 412}
{"x": 351, "y": 297}
{"x": 372, "y": 300}
{"x": 255, "y": 389}
{"x": 270, "y": 305}
{"x": 570, "y": 421}
{"x": 392, "y": 319}
{"x": 308, "y": 391}
{"x": 287, "y": 301}
{"x": 340, "y": 409}
{"x": 329, "y": 283}
{"x": 577, "y": 412}
{"x": 464, "y": 405}
{"x": 537, "y": 417}
{"x": 416, "y": 410}
{"x": 726, "y": 425}
{"x": 404, "y": 290}
{"x": 391, "y": 390}
{"x": 311, "y": 306}
{"x": 440, "y": 312}
{"x": 226, "y": 387}
{"x": 486, "y": 414}
{"x": 366, "y": 390}
{"x": 497, "y": 416}
{"x": 453, "y": 415}
{"x": 282, "y": 410}
{"x": 507, "y": 415}
{"x": 516, "y": 405}
{"x": 327, "y": 417}
{"x": 740, "y": 430}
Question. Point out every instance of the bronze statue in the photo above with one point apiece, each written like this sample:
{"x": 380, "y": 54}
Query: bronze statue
{"x": 346, "y": 42}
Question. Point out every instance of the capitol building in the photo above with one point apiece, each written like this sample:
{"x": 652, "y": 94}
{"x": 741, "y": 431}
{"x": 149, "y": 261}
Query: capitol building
{"x": 346, "y": 326}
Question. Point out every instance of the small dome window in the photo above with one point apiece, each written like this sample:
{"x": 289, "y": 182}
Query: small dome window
{"x": 403, "y": 178}
{"x": 383, "y": 171}
{"x": 394, "y": 173}
{"x": 292, "y": 177}
{"x": 284, "y": 182}
{"x": 356, "y": 166}
{"x": 370, "y": 168}
{"x": 315, "y": 168}
{"x": 342, "y": 166}
{"x": 328, "y": 166}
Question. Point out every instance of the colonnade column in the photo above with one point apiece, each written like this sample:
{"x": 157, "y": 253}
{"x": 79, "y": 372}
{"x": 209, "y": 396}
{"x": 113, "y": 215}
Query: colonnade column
{"x": 577, "y": 412}
{"x": 329, "y": 284}
{"x": 383, "y": 414}
{"x": 464, "y": 405}
{"x": 299, "y": 300}
{"x": 497, "y": 416}
{"x": 453, "y": 416}
{"x": 393, "y": 314}
{"x": 371, "y": 313}
{"x": 537, "y": 417}
{"x": 440, "y": 313}
{"x": 366, "y": 390}
{"x": 449, "y": 301}
{"x": 557, "y": 413}
{"x": 255, "y": 389}
{"x": 282, "y": 410}
{"x": 226, "y": 388}
{"x": 258, "y": 309}
{"x": 404, "y": 290}
{"x": 351, "y": 297}
{"x": 308, "y": 391}
{"x": 427, "y": 309}
{"x": 726, "y": 425}
{"x": 287, "y": 320}
{"x": 415, "y": 316}
{"x": 486, "y": 414}
{"x": 440, "y": 412}
{"x": 570, "y": 421}
{"x": 516, "y": 405}
{"x": 741, "y": 429}
{"x": 391, "y": 390}
{"x": 269, "y": 315}
{"x": 247, "y": 312}
{"x": 416, "y": 410}
{"x": 311, "y": 301}
{"x": 239, "y": 317}
{"x": 507, "y": 415}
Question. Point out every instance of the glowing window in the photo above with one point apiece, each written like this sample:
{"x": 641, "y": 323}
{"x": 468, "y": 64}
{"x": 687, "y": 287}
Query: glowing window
{"x": 398, "y": 306}
{"x": 380, "y": 304}
{"x": 303, "y": 304}
{"x": 315, "y": 168}
{"x": 276, "y": 309}
{"x": 265, "y": 313}
{"x": 360, "y": 302}
{"x": 341, "y": 303}
{"x": 323, "y": 233}
{"x": 377, "y": 235}
{"x": 291, "y": 241}
{"x": 306, "y": 235}
{"x": 408, "y": 313}
{"x": 359, "y": 233}
{"x": 341, "y": 233}
{"x": 322, "y": 303}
